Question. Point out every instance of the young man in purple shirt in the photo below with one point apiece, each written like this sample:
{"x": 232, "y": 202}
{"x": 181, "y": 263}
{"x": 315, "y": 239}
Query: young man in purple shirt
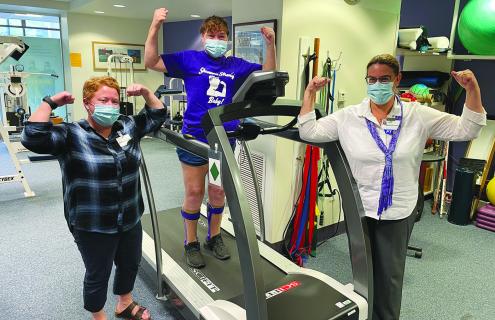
{"x": 211, "y": 80}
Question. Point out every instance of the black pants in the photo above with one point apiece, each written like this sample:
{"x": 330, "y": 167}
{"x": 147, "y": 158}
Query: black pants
{"x": 389, "y": 239}
{"x": 99, "y": 251}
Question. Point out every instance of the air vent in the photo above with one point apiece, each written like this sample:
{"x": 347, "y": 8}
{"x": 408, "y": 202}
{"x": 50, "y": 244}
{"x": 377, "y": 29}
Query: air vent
{"x": 247, "y": 181}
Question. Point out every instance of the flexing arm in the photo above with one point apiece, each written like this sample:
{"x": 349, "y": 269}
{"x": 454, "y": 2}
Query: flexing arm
{"x": 152, "y": 59}
{"x": 153, "y": 115}
{"x": 151, "y": 100}
{"x": 271, "y": 55}
{"x": 467, "y": 80}
{"x": 40, "y": 135}
{"x": 310, "y": 94}
{"x": 444, "y": 126}
{"x": 310, "y": 129}
{"x": 42, "y": 114}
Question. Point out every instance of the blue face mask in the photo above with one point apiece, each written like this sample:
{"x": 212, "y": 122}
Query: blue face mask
{"x": 105, "y": 115}
{"x": 215, "y": 48}
{"x": 380, "y": 93}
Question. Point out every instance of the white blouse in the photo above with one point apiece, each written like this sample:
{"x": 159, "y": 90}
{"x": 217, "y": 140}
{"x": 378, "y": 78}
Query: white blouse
{"x": 367, "y": 161}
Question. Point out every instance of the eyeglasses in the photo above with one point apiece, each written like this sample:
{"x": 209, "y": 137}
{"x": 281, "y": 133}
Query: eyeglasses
{"x": 373, "y": 80}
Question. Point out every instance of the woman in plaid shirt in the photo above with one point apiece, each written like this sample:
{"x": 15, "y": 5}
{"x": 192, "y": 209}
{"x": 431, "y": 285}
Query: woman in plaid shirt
{"x": 99, "y": 158}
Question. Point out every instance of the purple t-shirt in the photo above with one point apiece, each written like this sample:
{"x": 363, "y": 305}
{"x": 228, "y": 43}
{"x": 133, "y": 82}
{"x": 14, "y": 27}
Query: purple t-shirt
{"x": 209, "y": 83}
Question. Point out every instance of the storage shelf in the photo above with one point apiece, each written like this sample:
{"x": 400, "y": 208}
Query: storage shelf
{"x": 407, "y": 88}
{"x": 432, "y": 156}
{"x": 407, "y": 52}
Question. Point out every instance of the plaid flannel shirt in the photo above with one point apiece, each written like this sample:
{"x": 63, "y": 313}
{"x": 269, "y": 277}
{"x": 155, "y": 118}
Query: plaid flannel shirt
{"x": 100, "y": 177}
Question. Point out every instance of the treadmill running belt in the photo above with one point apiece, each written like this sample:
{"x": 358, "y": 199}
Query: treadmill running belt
{"x": 225, "y": 276}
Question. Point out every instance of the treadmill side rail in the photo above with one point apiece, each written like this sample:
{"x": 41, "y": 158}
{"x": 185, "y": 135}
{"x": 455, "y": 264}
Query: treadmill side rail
{"x": 193, "y": 296}
{"x": 247, "y": 243}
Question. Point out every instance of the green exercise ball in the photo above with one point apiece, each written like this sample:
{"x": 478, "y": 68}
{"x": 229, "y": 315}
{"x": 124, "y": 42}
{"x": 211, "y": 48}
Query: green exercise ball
{"x": 476, "y": 27}
{"x": 490, "y": 191}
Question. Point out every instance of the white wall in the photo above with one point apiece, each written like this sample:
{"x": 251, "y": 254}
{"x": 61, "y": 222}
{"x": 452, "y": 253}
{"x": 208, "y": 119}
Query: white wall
{"x": 257, "y": 10}
{"x": 359, "y": 31}
{"x": 83, "y": 29}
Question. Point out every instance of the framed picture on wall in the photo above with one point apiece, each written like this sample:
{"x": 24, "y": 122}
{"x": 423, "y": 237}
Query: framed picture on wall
{"x": 248, "y": 41}
{"x": 102, "y": 50}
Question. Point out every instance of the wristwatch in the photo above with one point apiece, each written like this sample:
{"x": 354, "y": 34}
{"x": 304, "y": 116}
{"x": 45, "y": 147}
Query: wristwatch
{"x": 50, "y": 102}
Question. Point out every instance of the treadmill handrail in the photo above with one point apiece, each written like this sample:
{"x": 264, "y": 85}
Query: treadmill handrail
{"x": 193, "y": 146}
{"x": 154, "y": 225}
{"x": 355, "y": 218}
{"x": 242, "y": 221}
{"x": 247, "y": 109}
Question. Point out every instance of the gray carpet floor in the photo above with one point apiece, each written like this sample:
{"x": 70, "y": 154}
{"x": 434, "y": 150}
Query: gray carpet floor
{"x": 42, "y": 271}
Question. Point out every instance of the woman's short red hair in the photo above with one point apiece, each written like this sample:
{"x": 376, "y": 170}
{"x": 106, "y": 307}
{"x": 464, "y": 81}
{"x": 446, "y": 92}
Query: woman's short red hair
{"x": 94, "y": 84}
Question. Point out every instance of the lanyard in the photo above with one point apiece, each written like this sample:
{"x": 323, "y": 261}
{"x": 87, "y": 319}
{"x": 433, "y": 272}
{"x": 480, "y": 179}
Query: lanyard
{"x": 387, "y": 188}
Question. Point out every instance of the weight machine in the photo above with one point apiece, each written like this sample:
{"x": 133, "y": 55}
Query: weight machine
{"x": 13, "y": 105}
{"x": 122, "y": 73}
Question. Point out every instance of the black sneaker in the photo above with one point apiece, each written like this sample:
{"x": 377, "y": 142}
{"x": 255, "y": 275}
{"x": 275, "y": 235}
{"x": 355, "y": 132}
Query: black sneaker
{"x": 194, "y": 258}
{"x": 216, "y": 245}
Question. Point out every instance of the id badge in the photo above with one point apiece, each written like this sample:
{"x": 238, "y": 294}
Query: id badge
{"x": 123, "y": 140}
{"x": 390, "y": 125}
{"x": 215, "y": 167}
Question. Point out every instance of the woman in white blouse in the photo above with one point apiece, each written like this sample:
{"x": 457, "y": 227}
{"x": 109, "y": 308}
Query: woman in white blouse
{"x": 383, "y": 139}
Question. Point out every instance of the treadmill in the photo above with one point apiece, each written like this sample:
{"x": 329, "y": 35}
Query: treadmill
{"x": 257, "y": 282}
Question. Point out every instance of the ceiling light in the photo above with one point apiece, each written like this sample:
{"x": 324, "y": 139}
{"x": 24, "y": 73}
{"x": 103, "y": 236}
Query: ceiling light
{"x": 96, "y": 11}
{"x": 195, "y": 16}
{"x": 119, "y": 6}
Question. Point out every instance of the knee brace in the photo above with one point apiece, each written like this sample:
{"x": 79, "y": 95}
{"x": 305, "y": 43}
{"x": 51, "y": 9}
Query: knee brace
{"x": 190, "y": 215}
{"x": 209, "y": 212}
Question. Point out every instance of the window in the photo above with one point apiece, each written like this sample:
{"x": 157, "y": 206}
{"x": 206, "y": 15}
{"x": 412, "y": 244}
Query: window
{"x": 41, "y": 33}
{"x": 29, "y": 25}
{"x": 43, "y": 24}
{"x": 15, "y": 32}
{"x": 15, "y": 22}
{"x": 42, "y": 60}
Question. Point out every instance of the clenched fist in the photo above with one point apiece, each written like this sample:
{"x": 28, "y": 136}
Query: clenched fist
{"x": 466, "y": 79}
{"x": 159, "y": 16}
{"x": 63, "y": 98}
{"x": 269, "y": 35}
{"x": 136, "y": 89}
{"x": 317, "y": 83}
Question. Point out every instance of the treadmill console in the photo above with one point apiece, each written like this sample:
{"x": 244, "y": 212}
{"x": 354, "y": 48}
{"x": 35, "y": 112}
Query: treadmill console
{"x": 263, "y": 86}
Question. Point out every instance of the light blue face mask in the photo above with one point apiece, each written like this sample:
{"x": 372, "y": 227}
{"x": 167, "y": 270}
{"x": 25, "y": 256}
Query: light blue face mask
{"x": 105, "y": 115}
{"x": 380, "y": 93}
{"x": 215, "y": 48}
